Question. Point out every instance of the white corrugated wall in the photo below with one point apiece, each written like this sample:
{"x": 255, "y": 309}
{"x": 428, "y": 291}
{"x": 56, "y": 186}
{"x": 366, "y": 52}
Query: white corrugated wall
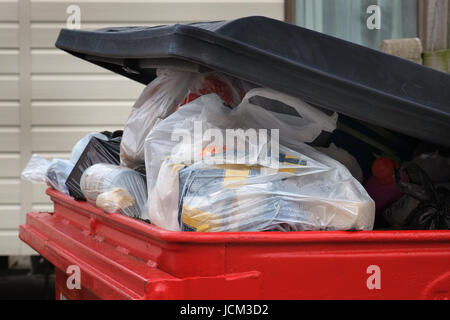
{"x": 49, "y": 99}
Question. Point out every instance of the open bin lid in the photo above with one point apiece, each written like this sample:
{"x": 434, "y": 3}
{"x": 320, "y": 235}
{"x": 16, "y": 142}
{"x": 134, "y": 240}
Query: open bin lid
{"x": 325, "y": 71}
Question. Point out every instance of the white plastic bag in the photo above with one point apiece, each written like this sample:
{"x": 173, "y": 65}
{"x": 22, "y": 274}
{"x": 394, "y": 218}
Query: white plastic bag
{"x": 170, "y": 90}
{"x": 158, "y": 100}
{"x": 302, "y": 190}
{"x": 306, "y": 126}
{"x": 162, "y": 138}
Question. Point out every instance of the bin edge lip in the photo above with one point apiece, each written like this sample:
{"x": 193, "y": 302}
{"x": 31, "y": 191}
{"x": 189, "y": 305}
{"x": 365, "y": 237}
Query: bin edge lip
{"x": 159, "y": 234}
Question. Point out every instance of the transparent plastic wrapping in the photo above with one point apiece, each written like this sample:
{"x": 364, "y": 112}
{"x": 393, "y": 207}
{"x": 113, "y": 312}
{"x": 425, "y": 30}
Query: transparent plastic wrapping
{"x": 305, "y": 126}
{"x": 57, "y": 174}
{"x": 162, "y": 97}
{"x": 115, "y": 189}
{"x": 54, "y": 173}
{"x": 345, "y": 158}
{"x": 36, "y": 169}
{"x": 79, "y": 147}
{"x": 117, "y": 200}
{"x": 286, "y": 190}
{"x": 308, "y": 192}
{"x": 278, "y": 200}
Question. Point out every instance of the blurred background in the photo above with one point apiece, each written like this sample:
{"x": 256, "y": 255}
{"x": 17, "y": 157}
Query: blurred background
{"x": 49, "y": 99}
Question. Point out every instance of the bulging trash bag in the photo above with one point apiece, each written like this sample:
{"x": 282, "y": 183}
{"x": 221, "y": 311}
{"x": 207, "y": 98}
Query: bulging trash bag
{"x": 158, "y": 100}
{"x": 159, "y": 142}
{"x": 428, "y": 202}
{"x": 162, "y": 97}
{"x": 115, "y": 189}
{"x": 57, "y": 174}
{"x": 305, "y": 126}
{"x": 436, "y": 166}
{"x": 96, "y": 151}
{"x": 307, "y": 191}
{"x": 197, "y": 183}
{"x": 54, "y": 173}
{"x": 36, "y": 169}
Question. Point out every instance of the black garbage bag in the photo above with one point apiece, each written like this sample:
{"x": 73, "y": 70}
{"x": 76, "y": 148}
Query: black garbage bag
{"x": 96, "y": 151}
{"x": 433, "y": 210}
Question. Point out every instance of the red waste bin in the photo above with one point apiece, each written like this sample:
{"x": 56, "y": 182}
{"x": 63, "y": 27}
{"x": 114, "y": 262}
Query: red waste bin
{"x": 123, "y": 258}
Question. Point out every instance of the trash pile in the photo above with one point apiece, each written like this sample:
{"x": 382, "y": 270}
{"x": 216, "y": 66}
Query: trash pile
{"x": 206, "y": 152}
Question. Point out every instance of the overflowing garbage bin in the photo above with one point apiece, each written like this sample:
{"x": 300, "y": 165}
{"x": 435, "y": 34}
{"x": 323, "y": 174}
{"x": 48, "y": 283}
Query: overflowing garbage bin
{"x": 261, "y": 161}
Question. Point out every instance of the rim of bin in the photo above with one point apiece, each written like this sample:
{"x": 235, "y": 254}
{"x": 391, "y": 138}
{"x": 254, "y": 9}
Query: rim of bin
{"x": 159, "y": 234}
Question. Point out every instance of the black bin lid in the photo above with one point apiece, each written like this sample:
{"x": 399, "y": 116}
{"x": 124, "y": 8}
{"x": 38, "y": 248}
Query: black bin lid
{"x": 325, "y": 71}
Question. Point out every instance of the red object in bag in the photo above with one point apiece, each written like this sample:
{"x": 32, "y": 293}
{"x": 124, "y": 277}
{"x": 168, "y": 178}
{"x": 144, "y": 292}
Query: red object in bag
{"x": 223, "y": 90}
{"x": 190, "y": 97}
{"x": 381, "y": 186}
{"x": 383, "y": 170}
{"x": 230, "y": 91}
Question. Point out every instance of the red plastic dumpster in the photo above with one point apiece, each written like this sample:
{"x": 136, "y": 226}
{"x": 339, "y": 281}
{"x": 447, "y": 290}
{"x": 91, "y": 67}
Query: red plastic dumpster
{"x": 123, "y": 258}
